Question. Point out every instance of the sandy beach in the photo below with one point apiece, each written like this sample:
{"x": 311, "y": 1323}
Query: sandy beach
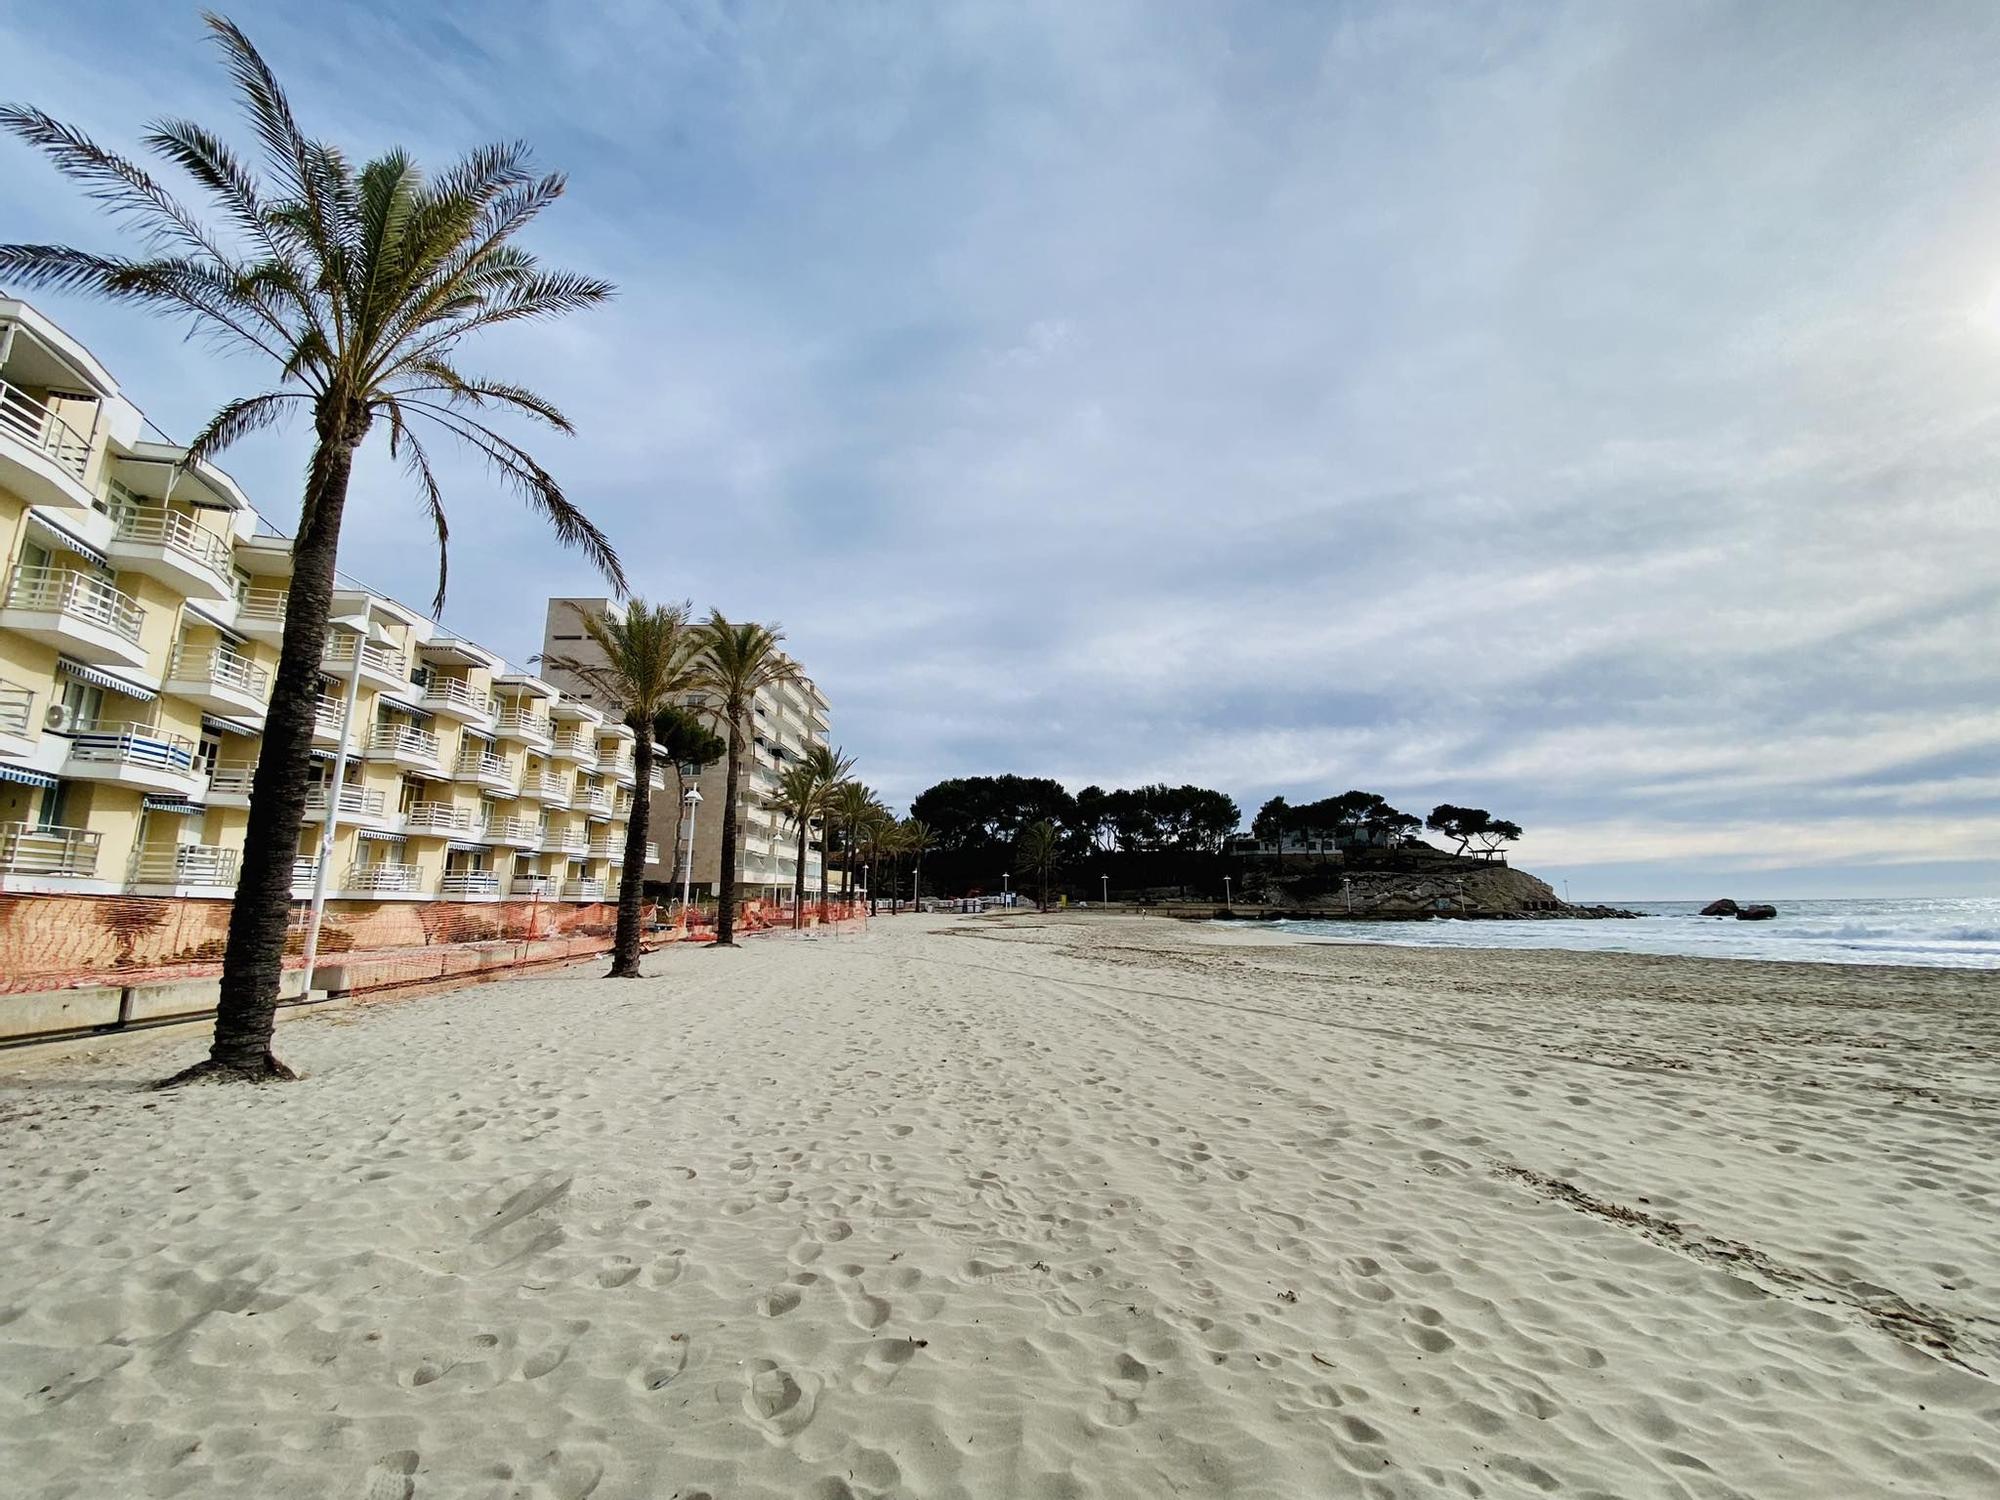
{"x": 982, "y": 1207}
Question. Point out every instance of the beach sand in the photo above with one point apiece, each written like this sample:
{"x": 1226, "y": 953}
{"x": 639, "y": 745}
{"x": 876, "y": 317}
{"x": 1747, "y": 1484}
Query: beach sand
{"x": 987, "y": 1207}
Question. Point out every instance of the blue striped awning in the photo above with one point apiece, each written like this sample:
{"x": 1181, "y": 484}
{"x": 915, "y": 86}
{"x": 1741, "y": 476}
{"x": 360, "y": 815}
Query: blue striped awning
{"x": 181, "y": 805}
{"x": 62, "y": 536}
{"x": 105, "y": 680}
{"x": 25, "y": 776}
{"x": 377, "y": 836}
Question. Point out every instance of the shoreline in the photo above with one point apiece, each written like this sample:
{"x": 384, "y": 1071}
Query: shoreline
{"x": 1078, "y": 1206}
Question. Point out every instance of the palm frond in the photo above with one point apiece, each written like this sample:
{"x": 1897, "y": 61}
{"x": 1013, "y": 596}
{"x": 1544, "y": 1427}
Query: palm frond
{"x": 237, "y": 419}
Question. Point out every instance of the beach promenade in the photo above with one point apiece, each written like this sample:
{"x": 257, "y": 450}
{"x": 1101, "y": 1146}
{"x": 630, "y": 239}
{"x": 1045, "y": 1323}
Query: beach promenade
{"x": 1007, "y": 1206}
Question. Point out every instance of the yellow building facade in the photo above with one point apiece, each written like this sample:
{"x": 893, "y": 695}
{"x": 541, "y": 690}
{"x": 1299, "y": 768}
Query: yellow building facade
{"x": 140, "y": 617}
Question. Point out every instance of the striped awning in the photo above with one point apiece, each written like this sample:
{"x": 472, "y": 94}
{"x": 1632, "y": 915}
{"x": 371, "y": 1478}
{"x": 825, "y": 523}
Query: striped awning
{"x": 25, "y": 776}
{"x": 104, "y": 680}
{"x": 213, "y": 622}
{"x": 378, "y": 836}
{"x": 62, "y": 536}
{"x": 464, "y": 846}
{"x": 180, "y": 805}
{"x": 216, "y": 725}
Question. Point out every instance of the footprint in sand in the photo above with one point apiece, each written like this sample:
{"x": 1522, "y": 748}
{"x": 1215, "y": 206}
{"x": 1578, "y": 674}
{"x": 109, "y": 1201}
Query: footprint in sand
{"x": 864, "y": 1311}
{"x": 664, "y": 1367}
{"x": 1122, "y": 1389}
{"x": 778, "y": 1301}
{"x": 883, "y": 1362}
{"x": 779, "y": 1402}
{"x": 620, "y": 1272}
{"x": 391, "y": 1477}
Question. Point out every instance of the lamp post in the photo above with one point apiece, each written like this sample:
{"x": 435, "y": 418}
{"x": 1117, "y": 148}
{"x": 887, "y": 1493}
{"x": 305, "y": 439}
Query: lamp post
{"x": 1228, "y": 897}
{"x": 1105, "y": 881}
{"x": 1006, "y": 895}
{"x": 693, "y": 800}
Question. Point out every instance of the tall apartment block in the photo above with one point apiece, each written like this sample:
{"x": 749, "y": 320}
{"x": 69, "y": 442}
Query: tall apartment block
{"x": 139, "y": 629}
{"x": 783, "y": 722}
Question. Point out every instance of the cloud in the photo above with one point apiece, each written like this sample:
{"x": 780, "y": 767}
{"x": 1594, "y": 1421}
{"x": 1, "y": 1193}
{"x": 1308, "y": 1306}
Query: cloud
{"x": 1587, "y": 411}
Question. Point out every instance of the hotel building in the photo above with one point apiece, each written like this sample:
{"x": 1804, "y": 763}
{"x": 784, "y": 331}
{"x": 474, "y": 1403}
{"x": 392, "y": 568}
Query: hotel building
{"x": 140, "y": 620}
{"x": 783, "y": 723}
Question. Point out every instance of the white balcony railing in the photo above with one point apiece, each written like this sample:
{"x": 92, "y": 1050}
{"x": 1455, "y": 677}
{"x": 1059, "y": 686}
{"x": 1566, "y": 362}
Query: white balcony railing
{"x": 355, "y": 802}
{"x": 472, "y": 765}
{"x": 609, "y": 848}
{"x": 184, "y": 864}
{"x": 17, "y": 708}
{"x": 222, "y": 667}
{"x": 566, "y": 843}
{"x": 65, "y": 591}
{"x": 114, "y": 742}
{"x": 26, "y": 849}
{"x": 593, "y": 799}
{"x": 449, "y": 693}
{"x": 170, "y": 531}
{"x": 338, "y": 657}
{"x": 232, "y": 778}
{"x": 405, "y": 740}
{"x": 27, "y": 420}
{"x": 304, "y": 870}
{"x": 531, "y": 885}
{"x": 576, "y": 744}
{"x": 524, "y": 831}
{"x": 550, "y": 787}
{"x": 437, "y": 817}
{"x": 521, "y": 724}
{"x": 583, "y": 890}
{"x": 469, "y": 883}
{"x": 383, "y": 877}
{"x": 326, "y": 718}
{"x": 264, "y": 607}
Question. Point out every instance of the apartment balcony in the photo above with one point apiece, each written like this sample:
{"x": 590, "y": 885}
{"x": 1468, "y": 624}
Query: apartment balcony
{"x": 172, "y": 548}
{"x": 327, "y": 714}
{"x": 405, "y": 746}
{"x": 357, "y": 805}
{"x": 550, "y": 788}
{"x": 461, "y": 884}
{"x": 229, "y": 783}
{"x": 384, "y": 880}
{"x": 184, "y": 864}
{"x": 485, "y": 769}
{"x": 583, "y": 890}
{"x": 451, "y": 699}
{"x": 381, "y": 666}
{"x": 578, "y": 746}
{"x": 76, "y": 613}
{"x": 261, "y": 614}
{"x": 619, "y": 767}
{"x": 524, "y": 727}
{"x": 42, "y": 458}
{"x": 132, "y": 755}
{"x": 532, "y": 885}
{"x": 17, "y": 718}
{"x": 437, "y": 820}
{"x": 514, "y": 833}
{"x": 595, "y": 800}
{"x": 658, "y": 780}
{"x": 572, "y": 842}
{"x": 305, "y": 870}
{"x": 605, "y": 846}
{"x": 220, "y": 681}
{"x": 28, "y": 850}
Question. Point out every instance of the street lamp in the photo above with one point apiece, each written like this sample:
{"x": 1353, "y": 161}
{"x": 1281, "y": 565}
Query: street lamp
{"x": 1228, "y": 899}
{"x": 693, "y": 800}
{"x": 1105, "y": 881}
{"x": 1006, "y": 896}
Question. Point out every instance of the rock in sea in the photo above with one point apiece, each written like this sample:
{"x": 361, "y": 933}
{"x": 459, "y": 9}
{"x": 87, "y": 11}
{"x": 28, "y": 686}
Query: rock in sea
{"x": 1723, "y": 908}
{"x": 1755, "y": 913}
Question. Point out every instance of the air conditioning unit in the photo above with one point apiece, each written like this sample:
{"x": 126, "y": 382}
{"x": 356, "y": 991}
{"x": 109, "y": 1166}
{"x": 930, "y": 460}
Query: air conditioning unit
{"x": 59, "y": 717}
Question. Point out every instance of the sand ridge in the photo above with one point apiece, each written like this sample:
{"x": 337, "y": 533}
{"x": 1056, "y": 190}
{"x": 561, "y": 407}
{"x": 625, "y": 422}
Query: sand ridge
{"x": 977, "y": 1207}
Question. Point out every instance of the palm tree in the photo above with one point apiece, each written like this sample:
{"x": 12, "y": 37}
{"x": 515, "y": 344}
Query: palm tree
{"x": 358, "y": 287}
{"x": 1035, "y": 853}
{"x": 688, "y": 742}
{"x": 650, "y": 653}
{"x": 830, "y": 771}
{"x": 740, "y": 661}
{"x": 877, "y": 838}
{"x": 895, "y": 843}
{"x": 797, "y": 802}
{"x": 852, "y": 805}
{"x": 917, "y": 836}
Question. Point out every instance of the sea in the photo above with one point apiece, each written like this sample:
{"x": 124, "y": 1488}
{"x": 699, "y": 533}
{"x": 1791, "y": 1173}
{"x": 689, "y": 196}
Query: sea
{"x": 1938, "y": 932}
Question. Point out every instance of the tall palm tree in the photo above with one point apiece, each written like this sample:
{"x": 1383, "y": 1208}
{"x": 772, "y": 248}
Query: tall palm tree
{"x": 877, "y": 838}
{"x": 650, "y": 654}
{"x": 830, "y": 770}
{"x": 917, "y": 838}
{"x": 358, "y": 287}
{"x": 852, "y": 805}
{"x": 797, "y": 801}
{"x": 740, "y": 660}
{"x": 1035, "y": 853}
{"x": 688, "y": 742}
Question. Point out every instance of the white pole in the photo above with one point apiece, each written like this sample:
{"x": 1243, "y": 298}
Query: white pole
{"x": 693, "y": 800}
{"x": 327, "y": 829}
{"x": 1106, "y": 880}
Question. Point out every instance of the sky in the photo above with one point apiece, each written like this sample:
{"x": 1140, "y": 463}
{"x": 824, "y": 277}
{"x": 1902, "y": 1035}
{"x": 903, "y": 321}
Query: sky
{"x": 1589, "y": 412}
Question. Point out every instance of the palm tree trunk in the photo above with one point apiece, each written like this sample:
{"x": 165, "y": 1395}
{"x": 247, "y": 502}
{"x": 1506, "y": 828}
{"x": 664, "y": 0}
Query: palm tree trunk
{"x": 632, "y": 880}
{"x": 917, "y": 884}
{"x": 254, "y": 957}
{"x": 799, "y": 879}
{"x": 725, "y": 900}
{"x": 680, "y": 811}
{"x": 825, "y": 851}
